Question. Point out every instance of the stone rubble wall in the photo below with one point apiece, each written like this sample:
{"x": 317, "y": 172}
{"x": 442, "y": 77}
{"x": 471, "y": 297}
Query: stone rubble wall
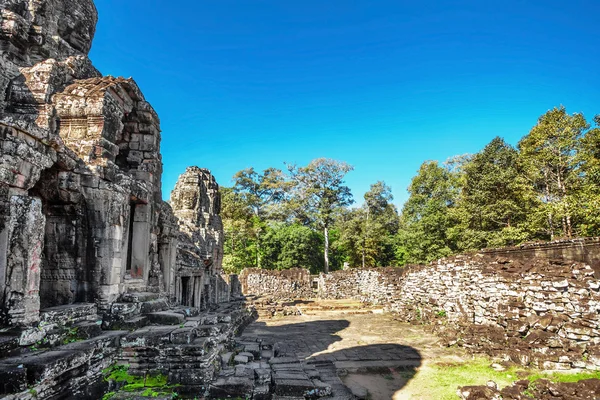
{"x": 537, "y": 312}
{"x": 286, "y": 284}
{"x": 585, "y": 250}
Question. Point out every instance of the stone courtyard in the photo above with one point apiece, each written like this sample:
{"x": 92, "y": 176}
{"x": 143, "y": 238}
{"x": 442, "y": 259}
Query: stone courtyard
{"x": 349, "y": 345}
{"x": 109, "y": 292}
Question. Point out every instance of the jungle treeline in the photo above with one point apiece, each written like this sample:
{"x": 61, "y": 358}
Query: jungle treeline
{"x": 547, "y": 187}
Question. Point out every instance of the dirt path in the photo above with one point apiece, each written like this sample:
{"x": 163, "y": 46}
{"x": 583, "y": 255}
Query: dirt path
{"x": 372, "y": 352}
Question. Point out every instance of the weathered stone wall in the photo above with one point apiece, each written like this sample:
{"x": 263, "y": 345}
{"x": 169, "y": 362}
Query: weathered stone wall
{"x": 585, "y": 250}
{"x": 287, "y": 284}
{"x": 377, "y": 286}
{"x": 537, "y": 312}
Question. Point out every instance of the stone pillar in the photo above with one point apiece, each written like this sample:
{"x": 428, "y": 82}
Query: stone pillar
{"x": 167, "y": 258}
{"x": 107, "y": 211}
{"x": 140, "y": 257}
{"x": 24, "y": 245}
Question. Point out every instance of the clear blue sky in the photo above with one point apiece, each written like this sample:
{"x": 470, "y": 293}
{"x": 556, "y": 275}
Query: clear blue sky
{"x": 383, "y": 85}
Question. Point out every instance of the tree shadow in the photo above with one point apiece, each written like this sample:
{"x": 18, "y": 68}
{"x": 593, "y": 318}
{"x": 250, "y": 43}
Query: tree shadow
{"x": 381, "y": 369}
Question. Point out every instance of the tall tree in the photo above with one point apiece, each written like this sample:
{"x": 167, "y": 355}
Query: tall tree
{"x": 425, "y": 218}
{"x": 262, "y": 192}
{"x": 589, "y": 196}
{"x": 290, "y": 246}
{"x": 379, "y": 224}
{"x": 496, "y": 198}
{"x": 319, "y": 190}
{"x": 239, "y": 226}
{"x": 550, "y": 152}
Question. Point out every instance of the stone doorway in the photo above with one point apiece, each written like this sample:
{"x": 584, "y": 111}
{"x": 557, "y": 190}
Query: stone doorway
{"x": 138, "y": 240}
{"x": 65, "y": 273}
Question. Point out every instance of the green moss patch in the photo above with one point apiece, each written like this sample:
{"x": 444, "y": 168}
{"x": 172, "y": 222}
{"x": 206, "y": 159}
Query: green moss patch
{"x": 149, "y": 383}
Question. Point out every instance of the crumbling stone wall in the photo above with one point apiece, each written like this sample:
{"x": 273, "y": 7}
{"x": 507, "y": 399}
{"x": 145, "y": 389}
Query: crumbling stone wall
{"x": 536, "y": 312}
{"x": 286, "y": 284}
{"x": 585, "y": 250}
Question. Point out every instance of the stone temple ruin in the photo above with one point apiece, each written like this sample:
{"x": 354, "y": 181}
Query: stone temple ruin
{"x": 100, "y": 277}
{"x": 86, "y": 242}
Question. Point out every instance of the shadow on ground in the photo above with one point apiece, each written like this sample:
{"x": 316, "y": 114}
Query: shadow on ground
{"x": 381, "y": 369}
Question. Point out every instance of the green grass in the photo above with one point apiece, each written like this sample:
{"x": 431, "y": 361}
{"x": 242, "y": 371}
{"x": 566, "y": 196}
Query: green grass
{"x": 563, "y": 376}
{"x": 442, "y": 381}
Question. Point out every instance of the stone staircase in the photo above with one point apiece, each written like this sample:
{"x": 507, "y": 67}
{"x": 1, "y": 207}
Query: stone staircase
{"x": 258, "y": 370}
{"x": 69, "y": 353}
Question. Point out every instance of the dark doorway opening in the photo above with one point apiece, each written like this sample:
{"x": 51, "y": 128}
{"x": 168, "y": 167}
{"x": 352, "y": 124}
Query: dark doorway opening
{"x": 185, "y": 290}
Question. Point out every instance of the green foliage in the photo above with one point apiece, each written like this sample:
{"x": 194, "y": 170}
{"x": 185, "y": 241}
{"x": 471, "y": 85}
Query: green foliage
{"x": 367, "y": 234}
{"x": 495, "y": 200}
{"x": 423, "y": 235}
{"x": 318, "y": 192}
{"x": 547, "y": 187}
{"x": 72, "y": 336}
{"x": 289, "y": 246}
{"x": 550, "y": 154}
{"x": 242, "y": 230}
{"x": 442, "y": 380}
{"x": 109, "y": 395}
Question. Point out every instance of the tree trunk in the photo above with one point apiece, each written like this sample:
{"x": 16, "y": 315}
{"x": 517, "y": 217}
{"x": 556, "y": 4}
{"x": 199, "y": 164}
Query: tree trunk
{"x": 365, "y": 238}
{"x": 257, "y": 250}
{"x": 550, "y": 221}
{"x": 326, "y": 234}
{"x": 363, "y": 256}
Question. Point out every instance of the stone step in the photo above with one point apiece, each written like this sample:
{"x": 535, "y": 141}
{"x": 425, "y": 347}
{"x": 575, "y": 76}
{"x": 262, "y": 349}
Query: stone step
{"x": 230, "y": 387}
{"x": 166, "y": 318}
{"x": 70, "y": 314}
{"x": 123, "y": 311}
{"x": 32, "y": 368}
{"x": 154, "y": 306}
{"x": 139, "y": 297}
{"x": 148, "y": 336}
{"x": 211, "y": 330}
{"x": 293, "y": 387}
{"x": 9, "y": 344}
{"x": 188, "y": 312}
{"x": 88, "y": 330}
{"x": 132, "y": 323}
{"x": 183, "y": 336}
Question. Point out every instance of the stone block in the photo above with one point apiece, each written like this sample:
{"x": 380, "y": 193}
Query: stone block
{"x": 230, "y": 387}
{"x": 262, "y": 376}
{"x": 165, "y": 318}
{"x": 13, "y": 379}
{"x": 183, "y": 336}
{"x": 240, "y": 359}
{"x": 292, "y": 387}
{"x": 261, "y": 392}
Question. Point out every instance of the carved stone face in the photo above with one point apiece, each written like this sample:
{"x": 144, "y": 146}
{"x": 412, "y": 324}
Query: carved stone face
{"x": 42, "y": 29}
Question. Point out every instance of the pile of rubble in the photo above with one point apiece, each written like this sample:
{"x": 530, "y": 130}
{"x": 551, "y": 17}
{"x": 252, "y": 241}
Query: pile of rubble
{"x": 539, "y": 390}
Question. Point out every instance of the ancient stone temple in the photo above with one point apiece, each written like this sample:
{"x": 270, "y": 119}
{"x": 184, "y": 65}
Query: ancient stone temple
{"x": 87, "y": 245}
{"x": 82, "y": 217}
{"x": 196, "y": 203}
